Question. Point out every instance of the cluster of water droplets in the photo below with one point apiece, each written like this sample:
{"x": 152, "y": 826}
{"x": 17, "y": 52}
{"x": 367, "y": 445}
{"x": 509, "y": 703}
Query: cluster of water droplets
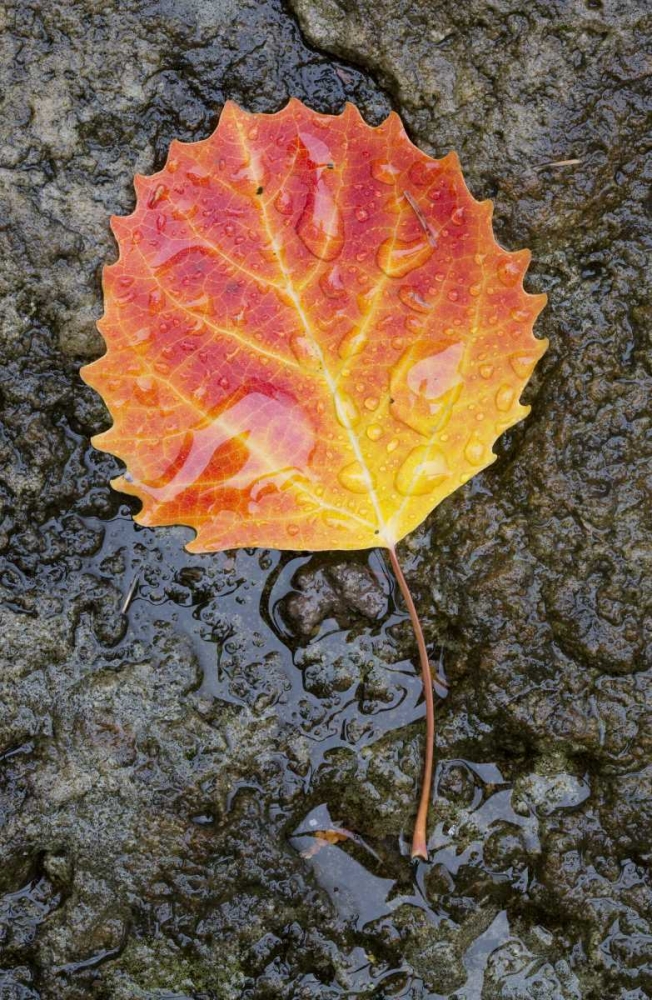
{"x": 423, "y": 387}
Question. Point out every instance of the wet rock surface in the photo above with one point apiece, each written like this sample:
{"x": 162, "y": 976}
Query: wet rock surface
{"x": 208, "y": 764}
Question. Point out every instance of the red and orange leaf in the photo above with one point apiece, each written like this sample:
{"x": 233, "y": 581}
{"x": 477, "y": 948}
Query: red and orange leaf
{"x": 312, "y": 334}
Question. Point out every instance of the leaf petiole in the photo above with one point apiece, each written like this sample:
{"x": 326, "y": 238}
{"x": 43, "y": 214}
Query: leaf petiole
{"x": 419, "y": 839}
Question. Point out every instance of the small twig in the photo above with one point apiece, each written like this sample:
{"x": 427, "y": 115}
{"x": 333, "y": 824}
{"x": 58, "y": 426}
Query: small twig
{"x": 559, "y": 163}
{"x": 130, "y": 594}
{"x": 420, "y": 838}
{"x": 440, "y": 676}
{"x": 425, "y": 225}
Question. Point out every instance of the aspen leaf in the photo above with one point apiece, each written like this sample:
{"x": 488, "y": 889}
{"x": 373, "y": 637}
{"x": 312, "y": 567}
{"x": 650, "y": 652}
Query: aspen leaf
{"x": 313, "y": 338}
{"x": 312, "y": 335}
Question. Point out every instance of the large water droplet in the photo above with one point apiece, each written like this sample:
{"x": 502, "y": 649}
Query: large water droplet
{"x": 354, "y": 477}
{"x": 352, "y": 343}
{"x": 486, "y": 371}
{"x": 398, "y": 257}
{"x": 423, "y": 172}
{"x": 374, "y": 432}
{"x": 160, "y": 193}
{"x": 509, "y": 271}
{"x": 425, "y": 384}
{"x": 458, "y": 217}
{"x": 247, "y": 177}
{"x": 146, "y": 390}
{"x": 505, "y": 398}
{"x": 331, "y": 284}
{"x": 257, "y": 441}
{"x": 124, "y": 288}
{"x": 430, "y": 376}
{"x": 345, "y": 410}
{"x": 199, "y": 176}
{"x": 413, "y": 298}
{"x": 333, "y": 520}
{"x": 383, "y": 171}
{"x": 141, "y": 339}
{"x": 474, "y": 450}
{"x": 283, "y": 203}
{"x": 320, "y": 227}
{"x": 414, "y": 324}
{"x": 365, "y": 301}
{"x": 305, "y": 350}
{"x": 315, "y": 149}
{"x": 423, "y": 469}
{"x": 522, "y": 363}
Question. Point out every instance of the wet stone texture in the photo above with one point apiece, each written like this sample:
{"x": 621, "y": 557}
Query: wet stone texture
{"x": 167, "y": 767}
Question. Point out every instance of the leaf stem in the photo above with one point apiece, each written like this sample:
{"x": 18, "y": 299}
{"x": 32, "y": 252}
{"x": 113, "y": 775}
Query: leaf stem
{"x": 419, "y": 839}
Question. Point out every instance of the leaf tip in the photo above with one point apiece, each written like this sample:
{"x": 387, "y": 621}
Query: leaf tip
{"x": 393, "y": 123}
{"x": 539, "y": 301}
{"x": 293, "y": 104}
{"x": 140, "y": 184}
{"x": 119, "y": 227}
{"x": 350, "y": 110}
{"x": 452, "y": 161}
{"x": 488, "y": 208}
{"x": 232, "y": 111}
{"x": 97, "y": 440}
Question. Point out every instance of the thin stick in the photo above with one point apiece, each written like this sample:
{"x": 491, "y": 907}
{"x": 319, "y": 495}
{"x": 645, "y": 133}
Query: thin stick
{"x": 423, "y": 222}
{"x": 419, "y": 839}
{"x": 560, "y": 163}
{"x": 130, "y": 594}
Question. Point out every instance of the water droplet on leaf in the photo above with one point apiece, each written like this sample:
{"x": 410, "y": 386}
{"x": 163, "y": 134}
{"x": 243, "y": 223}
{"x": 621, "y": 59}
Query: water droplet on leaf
{"x": 509, "y": 272}
{"x": 413, "y": 298}
{"x": 345, "y": 410}
{"x": 332, "y": 285}
{"x": 283, "y": 203}
{"x": 320, "y": 227}
{"x": 522, "y": 363}
{"x": 423, "y": 172}
{"x": 354, "y": 478}
{"x": 425, "y": 384}
{"x": 383, "y": 171}
{"x": 305, "y": 350}
{"x": 351, "y": 343}
{"x": 474, "y": 450}
{"x": 505, "y": 398}
{"x": 146, "y": 391}
{"x": 159, "y": 193}
{"x": 423, "y": 469}
{"x": 398, "y": 257}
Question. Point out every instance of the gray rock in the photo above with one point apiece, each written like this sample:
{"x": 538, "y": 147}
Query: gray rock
{"x": 168, "y": 721}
